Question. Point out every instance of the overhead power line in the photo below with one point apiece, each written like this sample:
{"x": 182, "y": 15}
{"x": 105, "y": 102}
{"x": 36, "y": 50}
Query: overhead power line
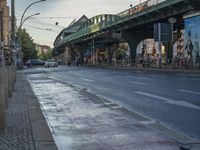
{"x": 44, "y": 23}
{"x": 56, "y": 17}
{"x": 46, "y": 29}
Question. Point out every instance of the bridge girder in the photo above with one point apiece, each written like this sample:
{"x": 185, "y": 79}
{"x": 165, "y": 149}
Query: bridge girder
{"x": 144, "y": 19}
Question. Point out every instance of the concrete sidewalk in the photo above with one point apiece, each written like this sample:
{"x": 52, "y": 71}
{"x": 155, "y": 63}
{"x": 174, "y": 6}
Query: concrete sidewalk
{"x": 26, "y": 127}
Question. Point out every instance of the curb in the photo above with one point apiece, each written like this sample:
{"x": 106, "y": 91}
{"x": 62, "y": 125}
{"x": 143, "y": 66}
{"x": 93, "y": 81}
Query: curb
{"x": 42, "y": 135}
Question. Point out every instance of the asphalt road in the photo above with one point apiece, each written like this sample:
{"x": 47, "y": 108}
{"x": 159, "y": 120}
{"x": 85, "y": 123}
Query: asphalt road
{"x": 173, "y": 99}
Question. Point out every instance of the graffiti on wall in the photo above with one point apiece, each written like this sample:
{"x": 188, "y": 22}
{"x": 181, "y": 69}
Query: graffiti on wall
{"x": 192, "y": 38}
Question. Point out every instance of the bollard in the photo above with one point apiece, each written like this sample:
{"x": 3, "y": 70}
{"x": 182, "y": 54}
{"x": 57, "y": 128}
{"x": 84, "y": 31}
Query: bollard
{"x": 5, "y": 82}
{"x": 9, "y": 81}
{"x": 2, "y": 100}
{"x": 15, "y": 75}
{"x": 2, "y": 108}
{"x": 13, "y": 78}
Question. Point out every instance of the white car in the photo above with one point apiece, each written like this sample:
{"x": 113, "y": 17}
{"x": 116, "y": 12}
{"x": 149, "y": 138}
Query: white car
{"x": 50, "y": 63}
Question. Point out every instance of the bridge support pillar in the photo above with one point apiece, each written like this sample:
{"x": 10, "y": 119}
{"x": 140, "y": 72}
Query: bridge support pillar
{"x": 110, "y": 49}
{"x": 81, "y": 49}
{"x": 109, "y": 55}
{"x": 67, "y": 55}
{"x": 133, "y": 38}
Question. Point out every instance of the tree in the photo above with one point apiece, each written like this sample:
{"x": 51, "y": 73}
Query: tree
{"x": 28, "y": 46}
{"x": 49, "y": 53}
{"x": 45, "y": 56}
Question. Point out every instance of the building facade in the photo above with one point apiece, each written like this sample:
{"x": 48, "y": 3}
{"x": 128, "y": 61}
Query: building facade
{"x": 5, "y": 31}
{"x": 42, "y": 49}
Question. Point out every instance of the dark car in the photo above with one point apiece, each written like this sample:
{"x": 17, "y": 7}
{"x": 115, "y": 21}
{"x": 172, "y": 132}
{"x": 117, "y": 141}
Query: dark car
{"x": 35, "y": 62}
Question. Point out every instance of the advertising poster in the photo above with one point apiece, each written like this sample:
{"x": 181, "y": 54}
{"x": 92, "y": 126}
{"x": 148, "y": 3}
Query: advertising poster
{"x": 192, "y": 38}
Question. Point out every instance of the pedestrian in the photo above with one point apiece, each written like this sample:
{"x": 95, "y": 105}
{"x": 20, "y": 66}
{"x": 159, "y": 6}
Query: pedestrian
{"x": 141, "y": 61}
{"x": 197, "y": 59}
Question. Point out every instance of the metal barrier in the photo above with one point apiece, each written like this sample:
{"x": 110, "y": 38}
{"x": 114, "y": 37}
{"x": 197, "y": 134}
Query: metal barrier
{"x": 7, "y": 82}
{"x": 178, "y": 64}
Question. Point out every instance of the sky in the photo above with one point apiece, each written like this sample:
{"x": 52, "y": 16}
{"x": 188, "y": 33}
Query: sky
{"x": 42, "y": 28}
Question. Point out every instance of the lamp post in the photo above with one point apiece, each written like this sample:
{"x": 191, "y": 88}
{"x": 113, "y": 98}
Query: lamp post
{"x": 172, "y": 21}
{"x": 27, "y": 19}
{"x": 22, "y": 22}
{"x": 22, "y": 18}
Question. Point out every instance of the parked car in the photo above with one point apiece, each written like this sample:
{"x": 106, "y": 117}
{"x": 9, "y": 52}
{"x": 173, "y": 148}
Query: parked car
{"x": 35, "y": 62}
{"x": 50, "y": 63}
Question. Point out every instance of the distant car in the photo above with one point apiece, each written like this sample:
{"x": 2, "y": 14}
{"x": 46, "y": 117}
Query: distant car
{"x": 20, "y": 64}
{"x": 35, "y": 62}
{"x": 50, "y": 63}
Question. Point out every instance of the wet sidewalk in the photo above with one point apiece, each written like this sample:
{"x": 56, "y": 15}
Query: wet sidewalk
{"x": 83, "y": 121}
{"x": 26, "y": 127}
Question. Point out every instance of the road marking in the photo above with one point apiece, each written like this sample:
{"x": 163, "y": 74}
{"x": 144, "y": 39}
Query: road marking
{"x": 147, "y": 122}
{"x": 169, "y": 101}
{"x": 189, "y": 75}
{"x": 187, "y": 91}
{"x": 87, "y": 80}
{"x": 108, "y": 78}
{"x": 152, "y": 96}
{"x": 195, "y": 79}
{"x": 142, "y": 78}
{"x": 138, "y": 83}
{"x": 99, "y": 72}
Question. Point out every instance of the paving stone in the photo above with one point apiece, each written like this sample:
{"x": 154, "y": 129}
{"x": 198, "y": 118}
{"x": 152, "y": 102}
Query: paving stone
{"x": 19, "y": 132}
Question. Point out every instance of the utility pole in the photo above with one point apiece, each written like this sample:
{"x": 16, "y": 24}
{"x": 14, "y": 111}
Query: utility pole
{"x": 1, "y": 30}
{"x": 13, "y": 19}
{"x": 172, "y": 21}
{"x": 1, "y": 40}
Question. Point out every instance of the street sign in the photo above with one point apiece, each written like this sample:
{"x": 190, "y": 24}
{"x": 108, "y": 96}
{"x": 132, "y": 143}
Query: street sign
{"x": 162, "y": 32}
{"x": 172, "y": 20}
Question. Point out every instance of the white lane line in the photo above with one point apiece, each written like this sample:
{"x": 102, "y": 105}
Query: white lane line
{"x": 108, "y": 78}
{"x": 169, "y": 101}
{"x": 99, "y": 72}
{"x": 141, "y": 78}
{"x": 153, "y": 96}
{"x": 138, "y": 83}
{"x": 188, "y": 75}
{"x": 87, "y": 80}
{"x": 187, "y": 91}
{"x": 147, "y": 122}
{"x": 195, "y": 79}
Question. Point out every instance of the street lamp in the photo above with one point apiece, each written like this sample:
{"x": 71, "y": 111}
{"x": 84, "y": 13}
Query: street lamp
{"x": 172, "y": 21}
{"x": 27, "y": 19}
{"x": 22, "y": 18}
{"x": 22, "y": 22}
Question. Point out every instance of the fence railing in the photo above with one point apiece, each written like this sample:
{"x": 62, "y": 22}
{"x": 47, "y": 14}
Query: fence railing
{"x": 7, "y": 82}
{"x": 178, "y": 64}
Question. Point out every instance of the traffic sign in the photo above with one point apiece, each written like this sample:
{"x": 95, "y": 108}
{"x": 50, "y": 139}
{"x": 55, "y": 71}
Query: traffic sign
{"x": 162, "y": 32}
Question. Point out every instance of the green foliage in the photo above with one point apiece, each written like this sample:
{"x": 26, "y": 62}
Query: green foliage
{"x": 28, "y": 46}
{"x": 49, "y": 53}
{"x": 45, "y": 56}
{"x": 42, "y": 56}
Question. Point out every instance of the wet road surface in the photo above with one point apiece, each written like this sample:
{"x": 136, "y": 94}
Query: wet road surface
{"x": 169, "y": 98}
